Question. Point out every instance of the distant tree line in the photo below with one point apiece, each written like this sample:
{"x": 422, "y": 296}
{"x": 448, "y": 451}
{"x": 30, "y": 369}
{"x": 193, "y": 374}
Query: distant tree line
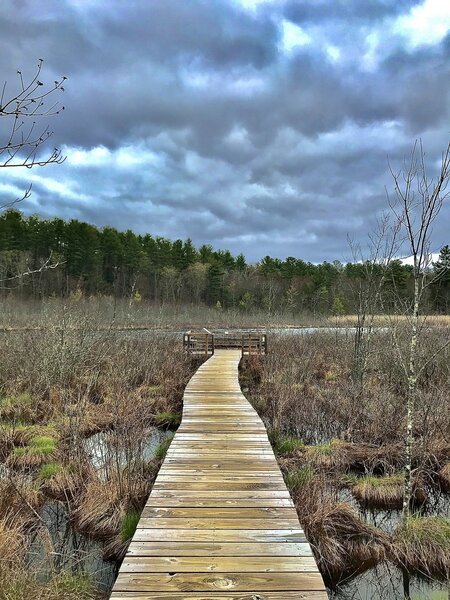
{"x": 106, "y": 261}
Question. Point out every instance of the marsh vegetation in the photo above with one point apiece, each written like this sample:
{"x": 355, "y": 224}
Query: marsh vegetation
{"x": 85, "y": 421}
{"x": 341, "y": 449}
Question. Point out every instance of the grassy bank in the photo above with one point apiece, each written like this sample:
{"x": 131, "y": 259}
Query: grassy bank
{"x": 105, "y": 313}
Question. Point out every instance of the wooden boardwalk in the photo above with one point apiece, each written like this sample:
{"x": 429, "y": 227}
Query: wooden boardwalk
{"x": 219, "y": 523}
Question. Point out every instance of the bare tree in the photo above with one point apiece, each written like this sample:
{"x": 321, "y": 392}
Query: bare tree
{"x": 23, "y": 110}
{"x": 367, "y": 291}
{"x": 415, "y": 205}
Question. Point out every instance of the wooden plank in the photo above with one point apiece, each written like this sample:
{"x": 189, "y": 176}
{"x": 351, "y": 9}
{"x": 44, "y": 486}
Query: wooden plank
{"x": 241, "y": 549}
{"x": 269, "y": 595}
{"x": 218, "y": 564}
{"x": 224, "y": 485}
{"x": 218, "y": 513}
{"x": 209, "y": 582}
{"x": 219, "y": 523}
{"x": 208, "y": 502}
{"x": 216, "y": 493}
{"x": 220, "y": 535}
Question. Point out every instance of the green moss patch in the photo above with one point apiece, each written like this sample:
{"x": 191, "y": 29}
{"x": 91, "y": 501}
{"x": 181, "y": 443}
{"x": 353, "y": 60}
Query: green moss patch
{"x": 297, "y": 478}
{"x": 284, "y": 444}
{"x": 129, "y": 524}
{"x": 169, "y": 420}
{"x": 48, "y": 470}
{"x": 43, "y": 444}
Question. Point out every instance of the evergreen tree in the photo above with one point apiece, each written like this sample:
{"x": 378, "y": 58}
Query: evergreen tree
{"x": 441, "y": 283}
{"x": 214, "y": 285}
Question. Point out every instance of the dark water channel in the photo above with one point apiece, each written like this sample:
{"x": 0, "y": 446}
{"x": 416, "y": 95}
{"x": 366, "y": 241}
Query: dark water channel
{"x": 59, "y": 547}
{"x": 62, "y": 548}
{"x": 385, "y": 582}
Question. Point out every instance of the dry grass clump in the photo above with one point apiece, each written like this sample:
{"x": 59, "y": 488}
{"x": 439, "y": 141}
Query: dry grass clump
{"x": 368, "y": 458}
{"x": 106, "y": 510}
{"x": 444, "y": 477}
{"x": 19, "y": 584}
{"x": 21, "y": 498}
{"x": 103, "y": 505}
{"x": 343, "y": 544}
{"x": 385, "y": 492}
{"x": 422, "y": 545}
{"x": 12, "y": 540}
{"x": 93, "y": 418}
{"x": 17, "y": 407}
{"x": 342, "y": 456}
{"x": 63, "y": 482}
{"x": 331, "y": 455}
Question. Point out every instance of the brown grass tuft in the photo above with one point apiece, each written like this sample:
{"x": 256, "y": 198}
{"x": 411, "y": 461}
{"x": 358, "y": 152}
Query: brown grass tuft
{"x": 444, "y": 477}
{"x": 12, "y": 541}
{"x": 385, "y": 492}
{"x": 422, "y": 545}
{"x": 343, "y": 544}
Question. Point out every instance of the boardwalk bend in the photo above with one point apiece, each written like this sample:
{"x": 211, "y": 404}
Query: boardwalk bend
{"x": 219, "y": 523}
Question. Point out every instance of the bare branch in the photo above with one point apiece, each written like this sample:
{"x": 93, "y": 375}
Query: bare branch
{"x": 25, "y": 196}
{"x": 46, "y": 266}
{"x": 22, "y": 145}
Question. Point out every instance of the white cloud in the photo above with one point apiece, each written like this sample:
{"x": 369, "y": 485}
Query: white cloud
{"x": 426, "y": 24}
{"x": 121, "y": 158}
{"x": 333, "y": 52}
{"x": 254, "y": 4}
{"x": 293, "y": 36}
{"x": 94, "y": 157}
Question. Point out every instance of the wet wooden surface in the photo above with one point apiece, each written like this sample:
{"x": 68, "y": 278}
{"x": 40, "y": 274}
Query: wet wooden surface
{"x": 219, "y": 523}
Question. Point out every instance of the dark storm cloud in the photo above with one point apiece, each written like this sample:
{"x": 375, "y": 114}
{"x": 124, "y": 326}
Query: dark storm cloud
{"x": 205, "y": 119}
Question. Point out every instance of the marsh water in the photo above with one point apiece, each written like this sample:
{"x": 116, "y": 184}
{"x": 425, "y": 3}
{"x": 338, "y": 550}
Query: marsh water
{"x": 61, "y": 547}
{"x": 385, "y": 582}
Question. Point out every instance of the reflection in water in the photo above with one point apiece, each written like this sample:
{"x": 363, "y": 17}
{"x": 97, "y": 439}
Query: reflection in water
{"x": 385, "y": 582}
{"x": 57, "y": 546}
{"x": 102, "y": 447}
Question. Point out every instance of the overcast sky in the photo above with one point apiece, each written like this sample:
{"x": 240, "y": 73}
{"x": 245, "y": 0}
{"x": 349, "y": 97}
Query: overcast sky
{"x": 257, "y": 126}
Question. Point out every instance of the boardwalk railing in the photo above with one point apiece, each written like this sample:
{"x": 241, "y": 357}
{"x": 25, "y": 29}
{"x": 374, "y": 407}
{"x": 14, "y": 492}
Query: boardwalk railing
{"x": 199, "y": 342}
{"x": 254, "y": 343}
{"x": 204, "y": 342}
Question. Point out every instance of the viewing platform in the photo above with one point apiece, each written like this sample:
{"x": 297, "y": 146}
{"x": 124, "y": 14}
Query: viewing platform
{"x": 204, "y": 342}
